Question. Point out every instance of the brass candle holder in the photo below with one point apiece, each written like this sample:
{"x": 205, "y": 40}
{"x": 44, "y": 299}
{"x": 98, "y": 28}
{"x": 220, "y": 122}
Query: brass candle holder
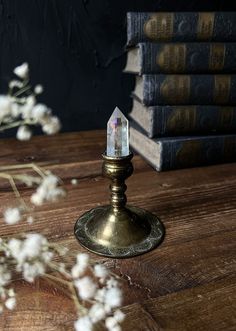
{"x": 118, "y": 230}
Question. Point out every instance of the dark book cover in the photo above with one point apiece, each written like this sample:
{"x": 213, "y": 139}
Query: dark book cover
{"x": 183, "y": 152}
{"x": 202, "y": 57}
{"x": 176, "y": 120}
{"x": 180, "y": 26}
{"x": 186, "y": 89}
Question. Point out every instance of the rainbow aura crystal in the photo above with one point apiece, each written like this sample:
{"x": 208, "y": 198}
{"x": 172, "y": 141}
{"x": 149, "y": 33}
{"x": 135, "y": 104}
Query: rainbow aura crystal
{"x": 117, "y": 134}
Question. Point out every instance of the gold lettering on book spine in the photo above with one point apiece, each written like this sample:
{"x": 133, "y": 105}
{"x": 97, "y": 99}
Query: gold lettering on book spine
{"x": 172, "y": 58}
{"x": 221, "y": 89}
{"x": 182, "y": 119}
{"x": 175, "y": 89}
{"x": 217, "y": 57}
{"x": 205, "y": 26}
{"x": 159, "y": 26}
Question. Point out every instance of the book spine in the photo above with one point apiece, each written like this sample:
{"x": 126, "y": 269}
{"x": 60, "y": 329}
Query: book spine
{"x": 194, "y": 120}
{"x": 180, "y": 26}
{"x": 189, "y": 89}
{"x": 193, "y": 152}
{"x": 187, "y": 57}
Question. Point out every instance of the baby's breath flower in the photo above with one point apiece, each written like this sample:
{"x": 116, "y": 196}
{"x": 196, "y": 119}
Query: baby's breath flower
{"x": 15, "y": 83}
{"x": 5, "y": 106}
{"x": 74, "y": 181}
{"x": 5, "y": 275}
{"x": 30, "y": 219}
{"x": 48, "y": 190}
{"x": 86, "y": 287}
{"x": 83, "y": 324}
{"x": 100, "y": 271}
{"x": 41, "y": 113}
{"x": 52, "y": 126}
{"x": 38, "y": 89}
{"x": 27, "y": 107}
{"x": 23, "y": 133}
{"x": 113, "y": 297}
{"x": 119, "y": 316}
{"x": 97, "y": 312}
{"x": 10, "y": 303}
{"x": 12, "y": 215}
{"x": 22, "y": 71}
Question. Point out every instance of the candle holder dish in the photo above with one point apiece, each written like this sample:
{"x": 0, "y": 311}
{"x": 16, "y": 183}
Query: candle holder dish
{"x": 118, "y": 230}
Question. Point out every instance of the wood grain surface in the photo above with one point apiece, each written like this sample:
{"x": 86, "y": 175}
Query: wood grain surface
{"x": 187, "y": 283}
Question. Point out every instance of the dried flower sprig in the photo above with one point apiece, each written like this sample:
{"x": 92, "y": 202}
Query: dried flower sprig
{"x": 95, "y": 291}
{"x": 48, "y": 190}
{"x": 19, "y": 108}
{"x": 93, "y": 288}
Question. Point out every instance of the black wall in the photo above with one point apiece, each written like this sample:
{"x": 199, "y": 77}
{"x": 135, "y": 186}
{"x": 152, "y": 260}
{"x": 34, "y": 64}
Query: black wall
{"x": 75, "y": 49}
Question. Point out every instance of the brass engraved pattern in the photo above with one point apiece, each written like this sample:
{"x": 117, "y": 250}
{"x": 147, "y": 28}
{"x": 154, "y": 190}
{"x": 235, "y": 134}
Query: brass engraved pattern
{"x": 159, "y": 26}
{"x": 182, "y": 119}
{"x": 221, "y": 89}
{"x": 205, "y": 25}
{"x": 172, "y": 58}
{"x": 217, "y": 57}
{"x": 226, "y": 117}
{"x": 175, "y": 88}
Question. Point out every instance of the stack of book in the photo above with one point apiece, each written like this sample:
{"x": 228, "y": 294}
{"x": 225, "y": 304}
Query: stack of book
{"x": 184, "y": 102}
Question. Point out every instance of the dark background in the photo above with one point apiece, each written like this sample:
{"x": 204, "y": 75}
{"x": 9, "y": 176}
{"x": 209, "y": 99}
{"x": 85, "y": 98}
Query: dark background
{"x": 75, "y": 49}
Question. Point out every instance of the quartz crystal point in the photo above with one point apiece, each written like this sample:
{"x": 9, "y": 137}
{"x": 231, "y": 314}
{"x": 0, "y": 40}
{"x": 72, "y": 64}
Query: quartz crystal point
{"x": 117, "y": 135}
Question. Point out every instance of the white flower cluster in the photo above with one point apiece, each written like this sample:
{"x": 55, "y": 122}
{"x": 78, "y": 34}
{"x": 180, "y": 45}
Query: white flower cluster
{"x": 7, "y": 296}
{"x": 97, "y": 291}
{"x": 95, "y": 284}
{"x": 12, "y": 215}
{"x": 19, "y": 107}
{"x": 31, "y": 255}
{"x": 48, "y": 191}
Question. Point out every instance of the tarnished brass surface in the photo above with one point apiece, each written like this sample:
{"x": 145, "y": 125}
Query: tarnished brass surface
{"x": 118, "y": 230}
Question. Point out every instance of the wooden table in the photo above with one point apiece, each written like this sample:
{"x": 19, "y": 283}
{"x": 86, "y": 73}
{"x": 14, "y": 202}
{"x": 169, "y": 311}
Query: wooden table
{"x": 187, "y": 283}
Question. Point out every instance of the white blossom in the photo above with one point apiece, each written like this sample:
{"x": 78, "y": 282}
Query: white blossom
{"x": 48, "y": 190}
{"x": 113, "y": 297}
{"x": 86, "y": 287}
{"x": 5, "y": 275}
{"x": 119, "y": 315}
{"x": 52, "y": 126}
{"x": 110, "y": 322}
{"x": 14, "y": 246}
{"x": 83, "y": 324}
{"x": 15, "y": 83}
{"x": 38, "y": 89}
{"x": 74, "y": 181}
{"x": 41, "y": 113}
{"x": 23, "y": 133}
{"x": 97, "y": 312}
{"x": 27, "y": 107}
{"x": 33, "y": 270}
{"x": 22, "y": 71}
{"x": 10, "y": 303}
{"x": 5, "y": 106}
{"x": 100, "y": 271}
{"x": 82, "y": 262}
{"x": 30, "y": 219}
{"x": 15, "y": 110}
{"x": 12, "y": 215}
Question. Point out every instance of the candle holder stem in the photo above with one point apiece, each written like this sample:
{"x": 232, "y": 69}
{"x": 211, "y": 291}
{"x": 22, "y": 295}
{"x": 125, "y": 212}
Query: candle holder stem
{"x": 118, "y": 230}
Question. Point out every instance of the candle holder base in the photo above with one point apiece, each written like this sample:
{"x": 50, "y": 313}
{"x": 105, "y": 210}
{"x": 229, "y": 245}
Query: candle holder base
{"x": 122, "y": 233}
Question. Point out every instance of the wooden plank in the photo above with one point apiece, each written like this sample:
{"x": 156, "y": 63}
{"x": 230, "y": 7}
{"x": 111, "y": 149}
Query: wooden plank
{"x": 197, "y": 257}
